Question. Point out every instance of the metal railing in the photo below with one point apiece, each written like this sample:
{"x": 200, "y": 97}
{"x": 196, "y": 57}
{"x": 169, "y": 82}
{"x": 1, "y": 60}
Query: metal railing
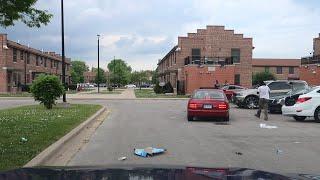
{"x": 310, "y": 60}
{"x": 210, "y": 60}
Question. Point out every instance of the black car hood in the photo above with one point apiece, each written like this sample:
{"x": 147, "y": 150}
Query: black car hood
{"x": 145, "y": 172}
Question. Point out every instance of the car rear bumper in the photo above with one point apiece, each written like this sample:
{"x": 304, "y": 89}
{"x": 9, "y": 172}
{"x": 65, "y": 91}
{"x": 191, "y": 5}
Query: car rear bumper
{"x": 297, "y": 111}
{"x": 208, "y": 113}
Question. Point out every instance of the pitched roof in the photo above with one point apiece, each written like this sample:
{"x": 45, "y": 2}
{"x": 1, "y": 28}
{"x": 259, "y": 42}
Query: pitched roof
{"x": 275, "y": 62}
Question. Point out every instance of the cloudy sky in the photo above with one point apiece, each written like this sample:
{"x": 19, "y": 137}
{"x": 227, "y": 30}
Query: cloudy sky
{"x": 143, "y": 31}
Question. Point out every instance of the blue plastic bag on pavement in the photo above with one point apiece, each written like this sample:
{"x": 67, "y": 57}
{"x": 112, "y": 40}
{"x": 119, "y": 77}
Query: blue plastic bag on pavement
{"x": 149, "y": 151}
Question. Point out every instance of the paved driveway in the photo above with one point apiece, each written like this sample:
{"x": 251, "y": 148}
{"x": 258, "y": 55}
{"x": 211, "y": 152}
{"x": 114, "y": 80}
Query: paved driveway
{"x": 292, "y": 147}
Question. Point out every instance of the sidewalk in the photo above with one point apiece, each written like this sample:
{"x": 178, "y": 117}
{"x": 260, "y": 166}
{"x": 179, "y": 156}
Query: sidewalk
{"x": 126, "y": 94}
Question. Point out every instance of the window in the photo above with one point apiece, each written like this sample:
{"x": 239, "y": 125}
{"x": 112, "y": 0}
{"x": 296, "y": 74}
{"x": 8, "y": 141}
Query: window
{"x": 266, "y": 69}
{"x": 21, "y": 55}
{"x": 58, "y": 65}
{"x": 279, "y": 70}
{"x": 237, "y": 79}
{"x": 196, "y": 55}
{"x": 45, "y": 62}
{"x": 28, "y": 58}
{"x": 51, "y": 63}
{"x": 41, "y": 60}
{"x": 37, "y": 61}
{"x": 279, "y": 86}
{"x": 175, "y": 58}
{"x": 291, "y": 70}
{"x": 232, "y": 87}
{"x": 235, "y": 55}
{"x": 14, "y": 55}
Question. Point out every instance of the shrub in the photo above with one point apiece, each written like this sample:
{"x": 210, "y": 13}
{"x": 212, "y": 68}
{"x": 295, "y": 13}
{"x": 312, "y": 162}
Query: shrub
{"x": 47, "y": 89}
{"x": 110, "y": 88}
{"x": 158, "y": 89}
{"x": 25, "y": 88}
{"x": 260, "y": 77}
{"x": 168, "y": 88}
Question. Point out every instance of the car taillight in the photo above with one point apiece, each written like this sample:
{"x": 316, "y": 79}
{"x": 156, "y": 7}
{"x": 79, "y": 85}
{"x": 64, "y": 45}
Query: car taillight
{"x": 193, "y": 106}
{"x": 223, "y": 106}
{"x": 301, "y": 100}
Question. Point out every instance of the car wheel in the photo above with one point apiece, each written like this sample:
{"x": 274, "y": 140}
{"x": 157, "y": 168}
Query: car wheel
{"x": 251, "y": 102}
{"x": 317, "y": 114}
{"x": 299, "y": 118}
{"x": 190, "y": 118}
{"x": 226, "y": 118}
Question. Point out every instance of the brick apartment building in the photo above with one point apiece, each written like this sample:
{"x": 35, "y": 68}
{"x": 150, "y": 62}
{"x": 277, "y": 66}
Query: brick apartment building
{"x": 310, "y": 66}
{"x": 20, "y": 65}
{"x": 90, "y": 76}
{"x": 202, "y": 58}
{"x": 218, "y": 54}
{"x": 283, "y": 69}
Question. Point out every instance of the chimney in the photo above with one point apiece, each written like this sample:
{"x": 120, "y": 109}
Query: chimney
{"x": 3, "y": 39}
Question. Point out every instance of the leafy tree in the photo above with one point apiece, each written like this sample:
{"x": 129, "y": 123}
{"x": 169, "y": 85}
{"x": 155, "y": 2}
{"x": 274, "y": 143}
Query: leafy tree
{"x": 139, "y": 77}
{"x": 47, "y": 89}
{"x": 260, "y": 77}
{"x": 154, "y": 77}
{"x": 22, "y": 10}
{"x": 77, "y": 70}
{"x": 119, "y": 72}
{"x": 102, "y": 76}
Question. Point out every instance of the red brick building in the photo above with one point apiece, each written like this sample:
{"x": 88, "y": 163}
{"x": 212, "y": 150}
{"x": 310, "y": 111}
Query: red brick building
{"x": 20, "y": 65}
{"x": 310, "y": 66}
{"x": 202, "y": 58}
{"x": 89, "y": 76}
{"x": 283, "y": 69}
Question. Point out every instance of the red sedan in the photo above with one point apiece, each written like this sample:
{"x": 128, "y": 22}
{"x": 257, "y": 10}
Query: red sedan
{"x": 208, "y": 103}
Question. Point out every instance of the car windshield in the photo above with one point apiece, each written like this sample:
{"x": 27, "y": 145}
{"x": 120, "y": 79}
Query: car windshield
{"x": 208, "y": 95}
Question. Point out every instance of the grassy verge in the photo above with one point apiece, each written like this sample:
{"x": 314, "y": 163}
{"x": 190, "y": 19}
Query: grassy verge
{"x": 149, "y": 93}
{"x": 116, "y": 91}
{"x": 23, "y": 94}
{"x": 40, "y": 128}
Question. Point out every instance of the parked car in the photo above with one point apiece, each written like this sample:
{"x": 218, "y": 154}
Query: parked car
{"x": 249, "y": 98}
{"x": 208, "y": 103}
{"x": 275, "y": 103}
{"x": 307, "y": 105}
{"x": 230, "y": 90}
{"x": 130, "y": 86}
{"x": 144, "y": 85}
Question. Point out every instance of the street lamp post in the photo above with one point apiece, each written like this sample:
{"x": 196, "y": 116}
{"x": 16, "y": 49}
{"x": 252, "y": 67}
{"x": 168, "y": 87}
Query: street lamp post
{"x": 63, "y": 55}
{"x": 98, "y": 64}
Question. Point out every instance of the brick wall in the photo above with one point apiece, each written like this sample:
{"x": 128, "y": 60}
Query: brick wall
{"x": 311, "y": 74}
{"x": 285, "y": 72}
{"x": 197, "y": 77}
{"x": 3, "y": 74}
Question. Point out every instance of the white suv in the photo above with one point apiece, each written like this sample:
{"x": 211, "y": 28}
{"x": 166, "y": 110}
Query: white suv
{"x": 249, "y": 98}
{"x": 307, "y": 105}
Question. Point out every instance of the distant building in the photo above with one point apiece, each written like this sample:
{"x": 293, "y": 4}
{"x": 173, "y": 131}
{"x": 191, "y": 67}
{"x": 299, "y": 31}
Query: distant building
{"x": 20, "y": 65}
{"x": 89, "y": 77}
{"x": 283, "y": 69}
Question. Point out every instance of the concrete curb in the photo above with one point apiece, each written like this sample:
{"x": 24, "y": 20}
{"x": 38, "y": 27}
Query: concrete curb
{"x": 129, "y": 98}
{"x": 53, "y": 148}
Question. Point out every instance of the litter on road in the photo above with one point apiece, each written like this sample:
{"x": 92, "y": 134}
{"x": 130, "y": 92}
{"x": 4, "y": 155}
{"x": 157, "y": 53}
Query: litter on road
{"x": 24, "y": 139}
{"x": 122, "y": 158}
{"x": 149, "y": 151}
{"x": 265, "y": 126}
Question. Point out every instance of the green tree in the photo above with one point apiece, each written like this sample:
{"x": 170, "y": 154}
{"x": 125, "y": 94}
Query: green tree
{"x": 260, "y": 77}
{"x": 139, "y": 77}
{"x": 154, "y": 77}
{"x": 77, "y": 70}
{"x": 119, "y": 72}
{"x": 22, "y": 10}
{"x": 102, "y": 76}
{"x": 47, "y": 89}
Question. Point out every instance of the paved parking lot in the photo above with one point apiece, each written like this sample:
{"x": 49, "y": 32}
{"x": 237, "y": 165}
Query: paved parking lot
{"x": 292, "y": 147}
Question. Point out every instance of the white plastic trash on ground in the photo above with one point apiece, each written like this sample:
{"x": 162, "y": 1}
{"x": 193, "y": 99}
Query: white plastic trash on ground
{"x": 265, "y": 126}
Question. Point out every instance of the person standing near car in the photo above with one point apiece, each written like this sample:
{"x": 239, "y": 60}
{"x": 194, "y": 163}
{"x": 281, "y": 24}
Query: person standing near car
{"x": 264, "y": 92}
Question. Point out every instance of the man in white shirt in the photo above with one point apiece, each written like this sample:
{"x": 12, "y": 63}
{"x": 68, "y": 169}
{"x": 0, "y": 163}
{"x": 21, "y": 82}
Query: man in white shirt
{"x": 264, "y": 92}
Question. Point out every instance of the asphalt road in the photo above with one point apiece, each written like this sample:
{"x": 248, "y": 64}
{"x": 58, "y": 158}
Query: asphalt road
{"x": 292, "y": 147}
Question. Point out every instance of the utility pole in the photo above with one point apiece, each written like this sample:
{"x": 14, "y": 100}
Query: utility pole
{"x": 114, "y": 71}
{"x": 63, "y": 55}
{"x": 98, "y": 65}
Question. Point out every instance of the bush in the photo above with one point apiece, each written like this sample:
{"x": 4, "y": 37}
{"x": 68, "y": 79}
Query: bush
{"x": 110, "y": 88}
{"x": 25, "y": 88}
{"x": 260, "y": 77}
{"x": 168, "y": 88}
{"x": 158, "y": 89}
{"x": 72, "y": 87}
{"x": 47, "y": 89}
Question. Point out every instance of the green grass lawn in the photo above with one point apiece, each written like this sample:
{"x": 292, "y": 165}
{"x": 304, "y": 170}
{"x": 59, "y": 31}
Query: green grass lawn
{"x": 22, "y": 94}
{"x": 41, "y": 127}
{"x": 116, "y": 91}
{"x": 149, "y": 93}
